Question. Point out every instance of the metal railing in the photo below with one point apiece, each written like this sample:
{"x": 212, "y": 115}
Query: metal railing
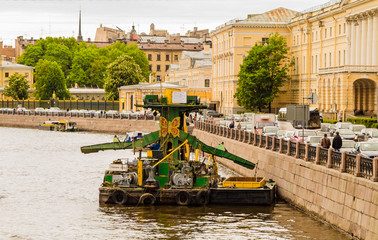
{"x": 350, "y": 163}
{"x": 293, "y": 149}
{"x": 302, "y": 150}
{"x": 311, "y": 153}
{"x": 270, "y": 142}
{"x": 335, "y": 159}
{"x": 366, "y": 167}
{"x": 323, "y": 156}
{"x": 276, "y": 144}
{"x": 345, "y": 162}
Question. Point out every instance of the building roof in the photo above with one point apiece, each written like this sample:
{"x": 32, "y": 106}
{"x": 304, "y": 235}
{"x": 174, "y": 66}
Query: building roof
{"x": 197, "y": 55}
{"x": 156, "y": 85}
{"x": 6, "y": 64}
{"x": 276, "y": 17}
{"x": 169, "y": 46}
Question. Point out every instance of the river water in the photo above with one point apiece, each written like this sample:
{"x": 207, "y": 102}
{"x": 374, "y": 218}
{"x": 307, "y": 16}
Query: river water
{"x": 49, "y": 190}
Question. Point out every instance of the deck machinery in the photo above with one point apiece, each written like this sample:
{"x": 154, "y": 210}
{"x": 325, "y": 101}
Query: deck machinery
{"x": 168, "y": 175}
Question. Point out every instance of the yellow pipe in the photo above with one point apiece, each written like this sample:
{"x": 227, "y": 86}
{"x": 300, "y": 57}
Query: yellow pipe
{"x": 182, "y": 144}
{"x": 196, "y": 156}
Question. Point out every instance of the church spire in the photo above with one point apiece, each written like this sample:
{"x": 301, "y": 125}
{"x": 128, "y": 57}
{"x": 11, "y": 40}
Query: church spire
{"x": 79, "y": 37}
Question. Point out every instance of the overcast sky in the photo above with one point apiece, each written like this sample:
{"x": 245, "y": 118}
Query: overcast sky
{"x": 41, "y": 18}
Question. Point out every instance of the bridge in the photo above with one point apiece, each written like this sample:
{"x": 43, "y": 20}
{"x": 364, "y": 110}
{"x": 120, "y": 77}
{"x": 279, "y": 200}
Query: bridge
{"x": 340, "y": 188}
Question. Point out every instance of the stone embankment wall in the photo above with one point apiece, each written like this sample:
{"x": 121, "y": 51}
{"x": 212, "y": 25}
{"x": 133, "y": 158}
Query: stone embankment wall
{"x": 342, "y": 199}
{"x": 103, "y": 125}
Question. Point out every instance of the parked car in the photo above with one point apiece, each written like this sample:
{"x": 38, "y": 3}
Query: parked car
{"x": 325, "y": 127}
{"x": 112, "y": 113}
{"x": 39, "y": 110}
{"x": 368, "y": 132}
{"x": 347, "y": 134}
{"x": 270, "y": 130}
{"x": 54, "y": 111}
{"x": 348, "y": 146}
{"x": 368, "y": 149}
{"x": 343, "y": 125}
{"x": 314, "y": 140}
{"x": 22, "y": 110}
{"x": 84, "y": 113}
{"x": 125, "y": 114}
{"x": 302, "y": 135}
{"x": 74, "y": 112}
{"x": 288, "y": 135}
{"x": 213, "y": 113}
{"x": 281, "y": 133}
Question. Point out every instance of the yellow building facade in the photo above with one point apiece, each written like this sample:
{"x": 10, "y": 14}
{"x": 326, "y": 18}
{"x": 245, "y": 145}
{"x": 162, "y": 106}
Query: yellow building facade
{"x": 7, "y": 69}
{"x": 231, "y": 43}
{"x": 334, "y": 46}
{"x": 194, "y": 73}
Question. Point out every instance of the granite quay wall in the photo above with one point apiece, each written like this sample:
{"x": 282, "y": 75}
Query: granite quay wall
{"x": 337, "y": 187}
{"x": 103, "y": 125}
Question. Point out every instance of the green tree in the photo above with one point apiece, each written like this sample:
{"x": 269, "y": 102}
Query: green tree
{"x": 81, "y": 66}
{"x": 17, "y": 88}
{"x": 123, "y": 71}
{"x": 262, "y": 73}
{"x": 49, "y": 79}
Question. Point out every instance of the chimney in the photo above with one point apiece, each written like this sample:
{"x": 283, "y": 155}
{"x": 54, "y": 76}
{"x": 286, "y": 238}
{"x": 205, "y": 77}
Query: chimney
{"x": 165, "y": 42}
{"x": 182, "y": 42}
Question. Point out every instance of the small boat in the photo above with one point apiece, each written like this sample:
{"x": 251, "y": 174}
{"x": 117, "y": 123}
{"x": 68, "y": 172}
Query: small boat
{"x": 61, "y": 125}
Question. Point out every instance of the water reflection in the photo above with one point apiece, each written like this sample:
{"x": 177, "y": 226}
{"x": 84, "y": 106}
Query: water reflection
{"x": 50, "y": 191}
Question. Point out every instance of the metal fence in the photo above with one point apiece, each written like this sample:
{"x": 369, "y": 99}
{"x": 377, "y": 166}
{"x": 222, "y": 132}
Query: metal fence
{"x": 62, "y": 104}
{"x": 345, "y": 162}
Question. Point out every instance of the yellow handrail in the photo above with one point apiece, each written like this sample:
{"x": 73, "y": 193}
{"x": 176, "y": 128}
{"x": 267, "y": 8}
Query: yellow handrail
{"x": 182, "y": 144}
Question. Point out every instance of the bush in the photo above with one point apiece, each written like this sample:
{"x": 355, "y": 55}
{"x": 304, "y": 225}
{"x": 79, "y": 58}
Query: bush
{"x": 374, "y": 125}
{"x": 329, "y": 121}
{"x": 368, "y": 122}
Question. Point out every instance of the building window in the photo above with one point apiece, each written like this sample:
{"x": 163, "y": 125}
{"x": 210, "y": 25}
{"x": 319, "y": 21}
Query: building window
{"x": 7, "y": 74}
{"x": 339, "y": 29}
{"x": 316, "y": 35}
{"x": 344, "y": 27}
{"x": 158, "y": 79}
{"x": 294, "y": 41}
{"x": 330, "y": 60}
{"x": 150, "y": 67}
{"x": 167, "y": 57}
{"x": 26, "y": 75}
{"x": 158, "y": 57}
{"x": 158, "y": 68}
{"x": 304, "y": 37}
{"x": 344, "y": 58}
{"x": 304, "y": 64}
{"x": 149, "y": 57}
{"x": 325, "y": 59}
{"x": 312, "y": 63}
{"x": 325, "y": 33}
{"x": 297, "y": 65}
{"x": 176, "y": 57}
{"x": 207, "y": 82}
{"x": 339, "y": 58}
{"x": 166, "y": 67}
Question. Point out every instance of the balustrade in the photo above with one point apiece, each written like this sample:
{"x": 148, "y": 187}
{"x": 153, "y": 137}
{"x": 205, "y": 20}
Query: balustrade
{"x": 358, "y": 165}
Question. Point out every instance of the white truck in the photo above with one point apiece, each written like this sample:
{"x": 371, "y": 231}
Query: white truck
{"x": 261, "y": 120}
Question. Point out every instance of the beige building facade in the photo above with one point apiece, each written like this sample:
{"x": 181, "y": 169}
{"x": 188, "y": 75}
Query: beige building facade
{"x": 231, "y": 43}
{"x": 334, "y": 47}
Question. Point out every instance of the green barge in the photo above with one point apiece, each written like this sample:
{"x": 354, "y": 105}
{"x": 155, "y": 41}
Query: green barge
{"x": 169, "y": 174}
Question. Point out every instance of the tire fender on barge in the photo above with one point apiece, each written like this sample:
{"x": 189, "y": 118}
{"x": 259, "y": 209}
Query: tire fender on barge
{"x": 203, "y": 197}
{"x": 147, "y": 199}
{"x": 119, "y": 197}
{"x": 183, "y": 198}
